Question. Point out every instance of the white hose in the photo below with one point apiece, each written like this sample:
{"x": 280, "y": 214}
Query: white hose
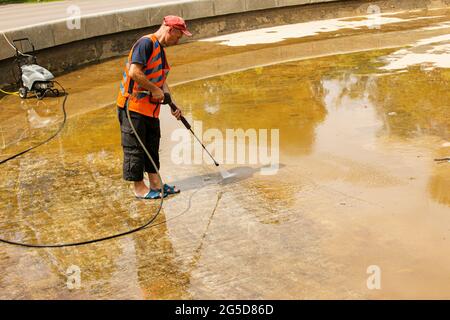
{"x": 9, "y": 42}
{"x": 14, "y": 47}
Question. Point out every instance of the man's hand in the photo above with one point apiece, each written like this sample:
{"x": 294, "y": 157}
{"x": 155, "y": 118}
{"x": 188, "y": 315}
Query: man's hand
{"x": 157, "y": 94}
{"x": 167, "y": 98}
{"x": 177, "y": 113}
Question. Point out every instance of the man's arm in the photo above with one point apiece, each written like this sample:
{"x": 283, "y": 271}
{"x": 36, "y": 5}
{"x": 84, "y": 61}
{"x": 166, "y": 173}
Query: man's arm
{"x": 137, "y": 74}
{"x": 141, "y": 52}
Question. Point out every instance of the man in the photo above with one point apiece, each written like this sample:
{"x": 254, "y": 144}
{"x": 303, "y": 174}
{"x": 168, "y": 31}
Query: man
{"x": 146, "y": 70}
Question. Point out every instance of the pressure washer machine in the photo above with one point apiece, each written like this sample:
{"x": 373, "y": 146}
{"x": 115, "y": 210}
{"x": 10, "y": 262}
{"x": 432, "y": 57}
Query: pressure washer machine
{"x": 32, "y": 77}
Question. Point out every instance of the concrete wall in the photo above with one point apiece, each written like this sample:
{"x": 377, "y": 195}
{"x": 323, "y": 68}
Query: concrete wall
{"x": 110, "y": 35}
{"x": 57, "y": 33}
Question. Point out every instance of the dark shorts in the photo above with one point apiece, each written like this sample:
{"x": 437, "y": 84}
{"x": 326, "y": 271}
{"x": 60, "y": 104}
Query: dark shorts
{"x": 135, "y": 160}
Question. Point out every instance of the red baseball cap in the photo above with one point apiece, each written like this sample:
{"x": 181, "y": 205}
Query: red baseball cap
{"x": 177, "y": 23}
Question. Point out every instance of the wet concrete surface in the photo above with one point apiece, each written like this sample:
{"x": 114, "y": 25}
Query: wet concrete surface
{"x": 357, "y": 184}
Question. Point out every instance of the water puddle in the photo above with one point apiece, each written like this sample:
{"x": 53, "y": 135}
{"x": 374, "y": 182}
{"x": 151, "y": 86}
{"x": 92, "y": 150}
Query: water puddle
{"x": 359, "y": 128}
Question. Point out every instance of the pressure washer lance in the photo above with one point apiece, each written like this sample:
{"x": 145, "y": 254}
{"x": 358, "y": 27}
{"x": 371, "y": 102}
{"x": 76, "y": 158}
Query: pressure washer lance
{"x": 168, "y": 100}
{"x": 188, "y": 126}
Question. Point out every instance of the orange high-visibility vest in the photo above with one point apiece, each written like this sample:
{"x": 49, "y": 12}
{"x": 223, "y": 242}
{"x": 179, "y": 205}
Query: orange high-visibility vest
{"x": 153, "y": 70}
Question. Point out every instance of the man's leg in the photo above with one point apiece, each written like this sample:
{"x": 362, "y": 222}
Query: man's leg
{"x": 152, "y": 145}
{"x": 154, "y": 181}
{"x": 134, "y": 157}
{"x": 133, "y": 170}
{"x": 140, "y": 189}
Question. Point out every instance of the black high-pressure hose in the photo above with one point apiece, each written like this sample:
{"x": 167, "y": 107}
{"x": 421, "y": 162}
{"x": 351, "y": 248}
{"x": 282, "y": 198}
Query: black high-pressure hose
{"x": 72, "y": 244}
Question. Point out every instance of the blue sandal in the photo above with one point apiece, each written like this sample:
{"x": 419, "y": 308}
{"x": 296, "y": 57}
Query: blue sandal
{"x": 153, "y": 194}
{"x": 170, "y": 189}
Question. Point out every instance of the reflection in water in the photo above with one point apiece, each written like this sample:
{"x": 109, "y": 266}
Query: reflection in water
{"x": 29, "y": 124}
{"x": 285, "y": 97}
{"x": 71, "y": 189}
{"x": 356, "y": 145}
{"x": 345, "y": 137}
{"x": 439, "y": 184}
{"x": 408, "y": 105}
{"x": 158, "y": 271}
{"x": 418, "y": 101}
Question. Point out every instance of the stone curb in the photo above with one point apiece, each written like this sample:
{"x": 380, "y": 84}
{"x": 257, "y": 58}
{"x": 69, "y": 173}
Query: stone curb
{"x": 59, "y": 32}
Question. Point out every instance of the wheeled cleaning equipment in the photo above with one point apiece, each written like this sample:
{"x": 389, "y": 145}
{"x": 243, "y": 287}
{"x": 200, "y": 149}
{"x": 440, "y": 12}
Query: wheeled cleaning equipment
{"x": 32, "y": 77}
